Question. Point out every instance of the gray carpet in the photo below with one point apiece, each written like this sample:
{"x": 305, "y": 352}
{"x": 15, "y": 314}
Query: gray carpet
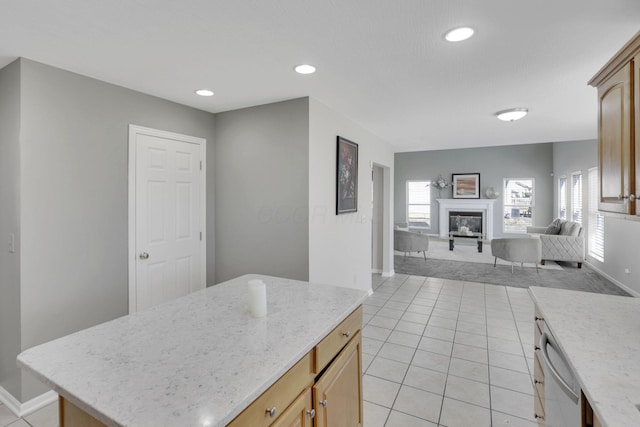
{"x": 583, "y": 279}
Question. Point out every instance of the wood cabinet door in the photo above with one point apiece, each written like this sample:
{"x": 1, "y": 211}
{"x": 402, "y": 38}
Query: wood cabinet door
{"x": 299, "y": 413}
{"x": 617, "y": 178}
{"x": 337, "y": 395}
{"x": 636, "y": 113}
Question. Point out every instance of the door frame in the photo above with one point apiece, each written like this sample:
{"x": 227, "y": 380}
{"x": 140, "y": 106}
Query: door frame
{"x": 387, "y": 220}
{"x": 134, "y": 131}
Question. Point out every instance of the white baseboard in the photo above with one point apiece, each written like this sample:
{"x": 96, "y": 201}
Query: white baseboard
{"x": 612, "y": 280}
{"x": 26, "y": 408}
{"x": 388, "y": 273}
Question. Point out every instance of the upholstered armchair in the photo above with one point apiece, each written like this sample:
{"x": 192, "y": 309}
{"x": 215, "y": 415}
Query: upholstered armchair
{"x": 409, "y": 241}
{"x": 561, "y": 241}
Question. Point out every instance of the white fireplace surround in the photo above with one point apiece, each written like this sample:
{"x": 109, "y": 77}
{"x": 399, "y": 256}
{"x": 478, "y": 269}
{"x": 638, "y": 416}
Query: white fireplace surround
{"x": 471, "y": 205}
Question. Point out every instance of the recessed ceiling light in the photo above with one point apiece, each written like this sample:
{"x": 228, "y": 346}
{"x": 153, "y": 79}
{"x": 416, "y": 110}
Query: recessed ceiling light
{"x": 204, "y": 92}
{"x": 458, "y": 34}
{"x": 305, "y": 69}
{"x": 512, "y": 114}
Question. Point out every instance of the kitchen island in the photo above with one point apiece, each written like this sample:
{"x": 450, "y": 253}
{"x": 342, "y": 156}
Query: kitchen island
{"x": 201, "y": 360}
{"x": 600, "y": 338}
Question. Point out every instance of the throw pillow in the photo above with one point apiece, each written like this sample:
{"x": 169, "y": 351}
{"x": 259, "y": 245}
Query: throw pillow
{"x": 554, "y": 227}
{"x": 570, "y": 229}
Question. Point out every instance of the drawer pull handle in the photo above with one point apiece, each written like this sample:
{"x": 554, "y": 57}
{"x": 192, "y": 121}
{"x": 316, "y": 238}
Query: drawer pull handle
{"x": 346, "y": 334}
{"x": 538, "y": 417}
{"x": 323, "y": 403}
{"x": 271, "y": 411}
{"x": 312, "y": 413}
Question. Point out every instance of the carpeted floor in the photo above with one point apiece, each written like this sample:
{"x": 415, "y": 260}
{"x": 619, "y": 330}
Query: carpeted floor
{"x": 467, "y": 251}
{"x": 569, "y": 277}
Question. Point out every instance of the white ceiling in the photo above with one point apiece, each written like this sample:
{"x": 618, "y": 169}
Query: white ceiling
{"x": 382, "y": 63}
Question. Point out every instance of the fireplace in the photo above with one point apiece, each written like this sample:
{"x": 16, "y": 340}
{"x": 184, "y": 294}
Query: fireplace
{"x": 469, "y": 221}
{"x": 485, "y": 206}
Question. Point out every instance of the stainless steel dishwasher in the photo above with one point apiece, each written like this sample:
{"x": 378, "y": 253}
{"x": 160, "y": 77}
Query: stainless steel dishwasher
{"x": 562, "y": 394}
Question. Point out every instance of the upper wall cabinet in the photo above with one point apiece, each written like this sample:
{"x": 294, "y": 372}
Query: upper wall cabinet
{"x": 618, "y": 84}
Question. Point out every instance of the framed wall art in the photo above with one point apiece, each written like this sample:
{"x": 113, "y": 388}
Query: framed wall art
{"x": 347, "y": 176}
{"x": 466, "y": 185}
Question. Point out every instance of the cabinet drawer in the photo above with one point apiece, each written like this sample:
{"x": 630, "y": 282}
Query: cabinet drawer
{"x": 331, "y": 345}
{"x": 280, "y": 395}
{"x": 69, "y": 415}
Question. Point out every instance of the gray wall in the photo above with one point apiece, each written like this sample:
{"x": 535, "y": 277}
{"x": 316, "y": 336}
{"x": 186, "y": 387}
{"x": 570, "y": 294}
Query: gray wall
{"x": 262, "y": 191}
{"x": 10, "y": 223}
{"x": 74, "y": 148}
{"x": 493, "y": 164}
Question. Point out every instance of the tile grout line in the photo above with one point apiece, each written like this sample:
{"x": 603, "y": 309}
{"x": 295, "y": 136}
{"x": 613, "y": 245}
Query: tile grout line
{"x": 414, "y": 351}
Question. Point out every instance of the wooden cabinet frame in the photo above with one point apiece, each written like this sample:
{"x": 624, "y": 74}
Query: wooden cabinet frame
{"x": 618, "y": 84}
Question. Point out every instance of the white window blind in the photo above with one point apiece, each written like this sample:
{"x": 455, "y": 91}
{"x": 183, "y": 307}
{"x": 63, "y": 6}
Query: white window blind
{"x": 576, "y": 197}
{"x": 562, "y": 197}
{"x": 419, "y": 204}
{"x": 595, "y": 227}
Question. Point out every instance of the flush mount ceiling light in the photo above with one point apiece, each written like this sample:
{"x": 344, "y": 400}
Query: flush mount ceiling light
{"x": 204, "y": 92}
{"x": 512, "y": 114}
{"x": 305, "y": 69}
{"x": 458, "y": 34}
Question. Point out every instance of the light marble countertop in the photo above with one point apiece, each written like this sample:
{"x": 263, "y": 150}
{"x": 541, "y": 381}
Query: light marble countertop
{"x": 195, "y": 361}
{"x": 600, "y": 336}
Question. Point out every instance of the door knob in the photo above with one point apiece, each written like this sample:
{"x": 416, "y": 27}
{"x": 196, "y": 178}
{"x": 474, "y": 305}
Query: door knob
{"x": 144, "y": 255}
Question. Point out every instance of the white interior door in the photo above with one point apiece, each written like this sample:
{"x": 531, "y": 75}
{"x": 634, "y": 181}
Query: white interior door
{"x": 167, "y": 247}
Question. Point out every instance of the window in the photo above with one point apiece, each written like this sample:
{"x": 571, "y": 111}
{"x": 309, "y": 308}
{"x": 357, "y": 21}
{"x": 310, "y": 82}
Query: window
{"x": 419, "y": 204}
{"x": 562, "y": 197}
{"x": 595, "y": 229}
{"x": 518, "y": 205}
{"x": 576, "y": 197}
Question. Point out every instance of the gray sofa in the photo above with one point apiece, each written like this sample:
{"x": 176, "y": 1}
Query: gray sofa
{"x": 409, "y": 241}
{"x": 561, "y": 241}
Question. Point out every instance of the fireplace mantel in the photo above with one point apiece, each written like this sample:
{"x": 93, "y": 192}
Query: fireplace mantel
{"x": 484, "y": 205}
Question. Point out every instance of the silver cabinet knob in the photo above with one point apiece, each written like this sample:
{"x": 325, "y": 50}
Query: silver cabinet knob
{"x": 311, "y": 413}
{"x": 632, "y": 197}
{"x": 271, "y": 411}
{"x": 346, "y": 334}
{"x": 144, "y": 255}
{"x": 323, "y": 403}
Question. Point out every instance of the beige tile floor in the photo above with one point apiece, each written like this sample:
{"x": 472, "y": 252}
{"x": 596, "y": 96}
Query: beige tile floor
{"x": 436, "y": 352}
{"x": 45, "y": 417}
